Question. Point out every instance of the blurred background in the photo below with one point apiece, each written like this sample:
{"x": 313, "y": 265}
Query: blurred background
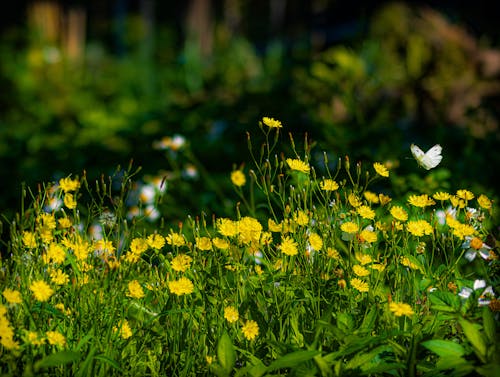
{"x": 175, "y": 85}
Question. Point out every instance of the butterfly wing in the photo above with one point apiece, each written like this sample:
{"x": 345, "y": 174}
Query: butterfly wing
{"x": 432, "y": 157}
{"x": 429, "y": 159}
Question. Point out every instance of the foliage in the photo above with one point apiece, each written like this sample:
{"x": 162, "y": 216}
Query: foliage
{"x": 315, "y": 274}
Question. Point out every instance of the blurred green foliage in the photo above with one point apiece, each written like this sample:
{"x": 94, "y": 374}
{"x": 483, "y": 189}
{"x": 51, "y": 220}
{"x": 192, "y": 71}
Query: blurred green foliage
{"x": 414, "y": 77}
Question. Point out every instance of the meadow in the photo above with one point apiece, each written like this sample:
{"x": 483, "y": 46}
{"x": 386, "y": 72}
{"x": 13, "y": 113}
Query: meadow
{"x": 319, "y": 272}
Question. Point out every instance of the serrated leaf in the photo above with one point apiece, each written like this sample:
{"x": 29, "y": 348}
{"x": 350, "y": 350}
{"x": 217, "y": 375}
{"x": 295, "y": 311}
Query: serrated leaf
{"x": 444, "y": 348}
{"x": 56, "y": 359}
{"x": 474, "y": 337}
{"x": 226, "y": 354}
{"x": 445, "y": 301}
{"x": 292, "y": 359}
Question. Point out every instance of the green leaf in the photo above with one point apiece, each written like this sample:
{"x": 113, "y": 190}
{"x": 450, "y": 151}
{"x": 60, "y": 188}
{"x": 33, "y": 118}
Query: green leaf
{"x": 292, "y": 359}
{"x": 369, "y": 320}
{"x": 56, "y": 359}
{"x": 444, "y": 301}
{"x": 458, "y": 364}
{"x": 326, "y": 370}
{"x": 226, "y": 354}
{"x": 444, "y": 348}
{"x": 363, "y": 358}
{"x": 109, "y": 361}
{"x": 474, "y": 337}
{"x": 489, "y": 324}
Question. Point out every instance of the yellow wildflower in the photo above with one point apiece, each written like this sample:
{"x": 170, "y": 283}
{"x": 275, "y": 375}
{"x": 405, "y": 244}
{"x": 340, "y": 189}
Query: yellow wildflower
{"x": 371, "y": 197}
{"x": 69, "y": 201}
{"x": 156, "y": 241}
{"x": 441, "y": 196}
{"x": 360, "y": 285}
{"x": 238, "y": 178}
{"x": 181, "y": 263}
{"x": 399, "y": 213}
{"x": 29, "y": 240}
{"x": 175, "y": 239}
{"x": 421, "y": 200}
{"x": 328, "y": 185}
{"x": 59, "y": 277}
{"x": 465, "y": 194}
{"x": 360, "y": 270}
{"x": 227, "y": 227}
{"x": 135, "y": 290}
{"x": 384, "y": 199}
{"x": 484, "y": 201}
{"x": 55, "y": 338}
{"x": 249, "y": 229}
{"x": 315, "y": 241}
{"x": 231, "y": 314}
{"x": 271, "y": 122}
{"x": 400, "y": 309}
{"x": 354, "y": 200}
{"x": 12, "y": 296}
{"x": 41, "y": 290}
{"x": 349, "y": 227}
{"x": 67, "y": 184}
{"x": 250, "y": 330}
{"x": 419, "y": 227}
{"x": 380, "y": 169}
{"x": 367, "y": 235}
{"x": 298, "y": 165}
{"x": 180, "y": 287}
{"x": 289, "y": 246}
{"x": 366, "y": 212}
{"x": 220, "y": 243}
{"x": 203, "y": 243}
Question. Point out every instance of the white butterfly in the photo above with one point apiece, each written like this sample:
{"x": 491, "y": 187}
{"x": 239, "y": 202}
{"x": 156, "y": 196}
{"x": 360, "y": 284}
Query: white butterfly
{"x": 429, "y": 159}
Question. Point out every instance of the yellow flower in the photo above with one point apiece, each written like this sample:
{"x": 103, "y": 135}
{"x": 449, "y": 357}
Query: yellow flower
{"x": 69, "y": 201}
{"x": 289, "y": 246}
{"x": 421, "y": 200}
{"x": 301, "y": 218}
{"x": 29, "y": 239}
{"x": 465, "y": 194}
{"x": 55, "y": 338}
{"x": 298, "y": 165}
{"x": 368, "y": 236}
{"x": 220, "y": 243}
{"x": 34, "y": 338}
{"x": 271, "y": 122}
{"x": 64, "y": 222}
{"x": 41, "y": 290}
{"x": 332, "y": 253}
{"x": 231, "y": 314}
{"x": 378, "y": 266}
{"x": 183, "y": 286}
{"x": 181, "y": 263}
{"x": 328, "y": 185}
{"x": 250, "y": 330}
{"x": 399, "y": 213}
{"x": 371, "y": 197}
{"x": 384, "y": 199}
{"x": 135, "y": 290}
{"x": 381, "y": 169}
{"x": 354, "y": 200}
{"x": 249, "y": 229}
{"x": 273, "y": 226}
{"x": 315, "y": 241}
{"x": 12, "y": 296}
{"x": 463, "y": 230}
{"x": 419, "y": 227}
{"x": 484, "y": 201}
{"x": 405, "y": 261}
{"x": 204, "y": 243}
{"x": 175, "y": 239}
{"x": 360, "y": 270}
{"x": 400, "y": 309}
{"x": 125, "y": 330}
{"x": 156, "y": 241}
{"x": 59, "y": 277}
{"x": 238, "y": 178}
{"x": 349, "y": 227}
{"x": 139, "y": 245}
{"x": 363, "y": 258}
{"x": 441, "y": 196}
{"x": 366, "y": 212}
{"x": 55, "y": 253}
{"x": 360, "y": 285}
{"x": 67, "y": 184}
{"x": 227, "y": 227}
